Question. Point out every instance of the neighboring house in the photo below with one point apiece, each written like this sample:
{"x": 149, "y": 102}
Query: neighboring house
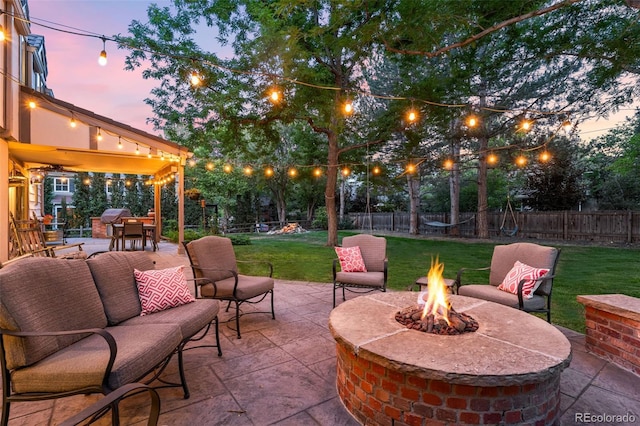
{"x": 36, "y": 139}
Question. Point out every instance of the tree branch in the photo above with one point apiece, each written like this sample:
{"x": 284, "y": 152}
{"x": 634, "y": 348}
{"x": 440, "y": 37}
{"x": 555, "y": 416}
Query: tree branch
{"x": 481, "y": 34}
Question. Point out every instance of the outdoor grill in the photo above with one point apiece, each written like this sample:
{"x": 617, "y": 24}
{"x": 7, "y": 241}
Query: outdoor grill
{"x": 114, "y": 215}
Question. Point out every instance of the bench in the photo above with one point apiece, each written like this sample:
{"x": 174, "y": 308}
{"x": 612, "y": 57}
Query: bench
{"x": 74, "y": 326}
{"x": 27, "y": 237}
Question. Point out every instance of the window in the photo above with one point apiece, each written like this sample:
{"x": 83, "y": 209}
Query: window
{"x": 61, "y": 184}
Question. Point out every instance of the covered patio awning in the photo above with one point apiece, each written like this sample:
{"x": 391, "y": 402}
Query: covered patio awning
{"x": 56, "y": 136}
{"x": 95, "y": 144}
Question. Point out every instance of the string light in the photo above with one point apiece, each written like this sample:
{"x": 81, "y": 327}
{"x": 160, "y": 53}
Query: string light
{"x": 274, "y": 95}
{"x": 566, "y": 126}
{"x": 521, "y": 160}
{"x": 192, "y": 162}
{"x": 293, "y": 172}
{"x": 227, "y": 168}
{"x": 72, "y": 122}
{"x": 119, "y": 143}
{"x": 411, "y": 168}
{"x": 268, "y": 172}
{"x": 137, "y": 150}
{"x": 376, "y": 170}
{"x": 248, "y": 171}
{"x": 317, "y": 172}
{"x": 99, "y": 135}
{"x": 87, "y": 181}
{"x": 472, "y": 121}
{"x": 3, "y": 37}
{"x": 32, "y": 104}
{"x": 149, "y": 153}
{"x": 448, "y": 164}
{"x": 412, "y": 115}
{"x": 544, "y": 156}
{"x": 525, "y": 125}
{"x": 345, "y": 171}
{"x": 492, "y": 159}
{"x": 195, "y": 79}
{"x": 102, "y": 59}
{"x": 210, "y": 166}
{"x": 348, "y": 107}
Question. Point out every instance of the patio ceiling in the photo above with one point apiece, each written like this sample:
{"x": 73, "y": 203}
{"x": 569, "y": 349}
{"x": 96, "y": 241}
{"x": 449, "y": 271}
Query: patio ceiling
{"x": 46, "y": 140}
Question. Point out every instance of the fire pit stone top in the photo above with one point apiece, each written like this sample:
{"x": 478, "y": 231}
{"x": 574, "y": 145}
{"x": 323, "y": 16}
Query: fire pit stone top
{"x": 510, "y": 347}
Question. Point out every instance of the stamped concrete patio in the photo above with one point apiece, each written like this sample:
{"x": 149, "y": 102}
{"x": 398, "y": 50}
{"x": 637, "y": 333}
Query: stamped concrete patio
{"x": 282, "y": 371}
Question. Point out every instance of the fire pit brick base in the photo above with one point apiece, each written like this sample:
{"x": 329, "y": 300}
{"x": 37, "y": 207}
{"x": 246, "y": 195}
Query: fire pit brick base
{"x": 374, "y": 394}
{"x": 507, "y": 372}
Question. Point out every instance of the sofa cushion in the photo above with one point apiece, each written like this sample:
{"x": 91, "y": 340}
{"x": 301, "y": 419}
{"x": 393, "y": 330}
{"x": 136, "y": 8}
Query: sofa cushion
{"x": 248, "y": 286}
{"x": 361, "y": 278}
{"x": 82, "y": 364}
{"x": 113, "y": 276}
{"x": 46, "y": 294}
{"x": 492, "y": 294}
{"x": 191, "y": 318}
{"x": 162, "y": 289}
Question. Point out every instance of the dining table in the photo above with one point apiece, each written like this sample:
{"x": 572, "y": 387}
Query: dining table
{"x": 149, "y": 234}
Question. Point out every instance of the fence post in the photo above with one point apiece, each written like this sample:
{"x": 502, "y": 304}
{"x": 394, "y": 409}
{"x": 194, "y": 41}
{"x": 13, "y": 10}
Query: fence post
{"x": 629, "y": 225}
{"x": 565, "y": 225}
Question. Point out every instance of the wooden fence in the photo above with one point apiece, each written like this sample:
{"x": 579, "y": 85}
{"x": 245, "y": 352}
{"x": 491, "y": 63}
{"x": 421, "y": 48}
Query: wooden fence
{"x": 595, "y": 226}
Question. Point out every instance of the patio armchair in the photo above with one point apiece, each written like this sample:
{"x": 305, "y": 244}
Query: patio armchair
{"x": 521, "y": 276}
{"x": 369, "y": 276}
{"x": 215, "y": 270}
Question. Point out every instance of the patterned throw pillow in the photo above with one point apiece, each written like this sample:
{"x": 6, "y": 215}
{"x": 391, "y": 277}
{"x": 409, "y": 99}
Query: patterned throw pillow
{"x": 521, "y": 271}
{"x": 350, "y": 259}
{"x": 162, "y": 289}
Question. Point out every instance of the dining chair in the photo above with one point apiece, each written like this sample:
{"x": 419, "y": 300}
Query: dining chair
{"x": 133, "y": 231}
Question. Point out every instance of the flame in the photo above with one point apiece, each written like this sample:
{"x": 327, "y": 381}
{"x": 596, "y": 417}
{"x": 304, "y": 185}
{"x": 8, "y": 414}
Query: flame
{"x": 437, "y": 300}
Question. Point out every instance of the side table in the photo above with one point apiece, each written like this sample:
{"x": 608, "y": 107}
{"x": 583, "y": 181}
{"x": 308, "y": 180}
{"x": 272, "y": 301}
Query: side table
{"x": 422, "y": 284}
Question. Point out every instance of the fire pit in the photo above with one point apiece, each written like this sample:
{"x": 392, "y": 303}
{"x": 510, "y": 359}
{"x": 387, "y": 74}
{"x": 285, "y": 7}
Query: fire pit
{"x": 507, "y": 371}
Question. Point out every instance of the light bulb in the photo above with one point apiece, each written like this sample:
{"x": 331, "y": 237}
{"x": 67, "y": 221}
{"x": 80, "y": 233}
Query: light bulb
{"x": 317, "y": 172}
{"x": 411, "y": 168}
{"x": 348, "y": 107}
{"x": 137, "y": 150}
{"x": 99, "y": 135}
{"x": 268, "y": 172}
{"x": 119, "y": 143}
{"x": 274, "y": 96}
{"x": 526, "y": 125}
{"x": 210, "y": 166}
{"x": 195, "y": 79}
{"x": 412, "y": 116}
{"x": 227, "y": 168}
{"x": 102, "y": 59}
{"x": 376, "y": 170}
{"x": 3, "y": 37}
{"x": 345, "y": 172}
{"x": 149, "y": 153}
{"x": 566, "y": 125}
{"x": 545, "y": 156}
{"x": 521, "y": 161}
{"x": 472, "y": 121}
{"x": 448, "y": 164}
{"x": 248, "y": 171}
{"x": 32, "y": 104}
{"x": 72, "y": 122}
{"x": 492, "y": 159}
{"x": 293, "y": 172}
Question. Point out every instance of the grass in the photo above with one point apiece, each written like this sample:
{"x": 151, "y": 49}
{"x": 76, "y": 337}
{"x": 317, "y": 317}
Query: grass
{"x": 581, "y": 269}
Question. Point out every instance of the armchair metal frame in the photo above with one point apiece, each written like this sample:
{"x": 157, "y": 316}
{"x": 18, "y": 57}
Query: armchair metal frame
{"x": 200, "y": 281}
{"x": 358, "y": 286}
{"x": 547, "y": 278}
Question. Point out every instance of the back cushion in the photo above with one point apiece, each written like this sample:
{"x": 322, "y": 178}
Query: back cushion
{"x": 373, "y": 250}
{"x": 212, "y": 253}
{"x": 46, "y": 294}
{"x": 116, "y": 283}
{"x": 505, "y": 256}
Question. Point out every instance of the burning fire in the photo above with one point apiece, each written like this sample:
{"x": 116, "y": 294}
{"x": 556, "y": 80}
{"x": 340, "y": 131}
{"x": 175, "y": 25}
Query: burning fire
{"x": 437, "y": 303}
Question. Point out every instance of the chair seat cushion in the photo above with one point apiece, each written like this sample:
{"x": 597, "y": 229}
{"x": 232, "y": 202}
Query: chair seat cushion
{"x": 82, "y": 364}
{"x": 191, "y": 318}
{"x": 492, "y": 294}
{"x": 369, "y": 279}
{"x": 248, "y": 286}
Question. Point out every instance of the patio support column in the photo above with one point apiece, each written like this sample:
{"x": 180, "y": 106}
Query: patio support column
{"x": 181, "y": 206}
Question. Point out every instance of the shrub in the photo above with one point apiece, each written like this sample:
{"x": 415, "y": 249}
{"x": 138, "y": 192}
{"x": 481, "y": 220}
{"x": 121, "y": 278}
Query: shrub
{"x": 321, "y": 220}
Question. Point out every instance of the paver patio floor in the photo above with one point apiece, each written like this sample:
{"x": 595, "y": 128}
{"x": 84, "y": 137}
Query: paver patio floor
{"x": 282, "y": 371}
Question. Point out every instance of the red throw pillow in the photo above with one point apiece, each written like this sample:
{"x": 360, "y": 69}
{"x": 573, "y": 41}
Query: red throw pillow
{"x": 350, "y": 259}
{"x": 519, "y": 272}
{"x": 162, "y": 289}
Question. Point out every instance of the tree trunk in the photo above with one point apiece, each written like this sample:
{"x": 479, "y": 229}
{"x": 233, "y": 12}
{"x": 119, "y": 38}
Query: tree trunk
{"x": 342, "y": 203}
{"x": 482, "y": 221}
{"x": 330, "y": 190}
{"x": 413, "y": 182}
{"x": 454, "y": 188}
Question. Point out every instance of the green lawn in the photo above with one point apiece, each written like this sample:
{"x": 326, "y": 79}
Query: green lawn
{"x": 581, "y": 269}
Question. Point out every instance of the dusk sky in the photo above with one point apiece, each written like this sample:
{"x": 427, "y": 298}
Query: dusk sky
{"x": 75, "y": 76}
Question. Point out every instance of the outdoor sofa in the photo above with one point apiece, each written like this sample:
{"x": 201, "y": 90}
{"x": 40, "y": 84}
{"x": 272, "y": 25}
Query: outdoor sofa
{"x": 75, "y": 327}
